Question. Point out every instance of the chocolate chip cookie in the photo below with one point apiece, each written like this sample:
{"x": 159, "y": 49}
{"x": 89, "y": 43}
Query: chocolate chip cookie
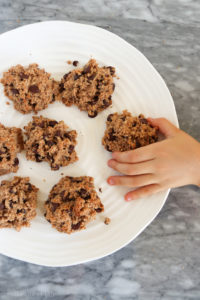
{"x": 90, "y": 88}
{"x": 31, "y": 89}
{"x": 49, "y": 140}
{"x": 18, "y": 199}
{"x": 11, "y": 143}
{"x": 72, "y": 204}
{"x": 125, "y": 132}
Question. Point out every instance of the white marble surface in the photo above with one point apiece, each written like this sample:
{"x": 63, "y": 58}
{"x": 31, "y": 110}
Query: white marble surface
{"x": 164, "y": 261}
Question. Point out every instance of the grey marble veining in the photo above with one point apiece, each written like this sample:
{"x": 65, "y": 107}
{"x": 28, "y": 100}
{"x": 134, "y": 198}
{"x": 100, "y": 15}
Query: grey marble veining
{"x": 164, "y": 261}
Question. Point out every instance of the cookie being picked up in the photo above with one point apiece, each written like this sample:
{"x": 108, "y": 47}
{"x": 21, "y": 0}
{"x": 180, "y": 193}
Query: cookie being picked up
{"x": 125, "y": 132}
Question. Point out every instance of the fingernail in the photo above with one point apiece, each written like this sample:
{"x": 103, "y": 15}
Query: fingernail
{"x": 129, "y": 198}
{"x": 111, "y": 181}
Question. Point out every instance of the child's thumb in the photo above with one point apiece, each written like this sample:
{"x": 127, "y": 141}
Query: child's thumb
{"x": 165, "y": 127}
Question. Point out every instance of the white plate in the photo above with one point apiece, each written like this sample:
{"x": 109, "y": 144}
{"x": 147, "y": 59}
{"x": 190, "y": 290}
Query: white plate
{"x": 140, "y": 89}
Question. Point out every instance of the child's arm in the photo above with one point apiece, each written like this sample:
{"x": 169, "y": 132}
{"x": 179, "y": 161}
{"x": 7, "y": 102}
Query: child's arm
{"x": 170, "y": 163}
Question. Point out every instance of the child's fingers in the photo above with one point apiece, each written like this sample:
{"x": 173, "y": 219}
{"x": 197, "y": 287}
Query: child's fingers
{"x": 132, "y": 181}
{"x": 135, "y": 156}
{"x": 131, "y": 169}
{"x": 166, "y": 127}
{"x": 144, "y": 191}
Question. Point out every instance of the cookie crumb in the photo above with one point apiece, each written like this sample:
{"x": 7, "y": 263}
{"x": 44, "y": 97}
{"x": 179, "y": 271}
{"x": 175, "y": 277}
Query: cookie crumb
{"x": 62, "y": 174}
{"x": 69, "y": 62}
{"x": 100, "y": 190}
{"x": 44, "y": 180}
{"x": 8, "y": 103}
{"x": 75, "y": 63}
{"x": 107, "y": 221}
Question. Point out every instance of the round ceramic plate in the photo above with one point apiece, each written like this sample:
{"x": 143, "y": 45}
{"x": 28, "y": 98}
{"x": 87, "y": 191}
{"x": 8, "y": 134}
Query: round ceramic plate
{"x": 139, "y": 89}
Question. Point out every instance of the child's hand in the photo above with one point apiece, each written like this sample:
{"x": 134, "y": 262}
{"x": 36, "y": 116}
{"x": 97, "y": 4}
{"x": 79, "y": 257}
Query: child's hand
{"x": 170, "y": 163}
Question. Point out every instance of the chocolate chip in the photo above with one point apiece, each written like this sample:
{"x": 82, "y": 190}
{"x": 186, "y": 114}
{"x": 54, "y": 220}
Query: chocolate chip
{"x": 15, "y": 91}
{"x": 76, "y": 226}
{"x": 42, "y": 124}
{"x": 113, "y": 86}
{"x": 134, "y": 124}
{"x": 34, "y": 89}
{"x": 98, "y": 210}
{"x": 75, "y": 63}
{"x": 66, "y": 135}
{"x": 106, "y": 103}
{"x": 35, "y": 145}
{"x": 38, "y": 157}
{"x": 112, "y": 70}
{"x": 61, "y": 87}
{"x": 52, "y": 123}
{"x": 84, "y": 194}
{"x": 75, "y": 180}
{"x": 112, "y": 136}
{"x": 123, "y": 118}
{"x": 11, "y": 191}
{"x": 23, "y": 76}
{"x": 11, "y": 204}
{"x": 8, "y": 157}
{"x": 16, "y": 161}
{"x": 66, "y": 75}
{"x": 49, "y": 143}
{"x": 100, "y": 190}
{"x": 138, "y": 144}
{"x": 70, "y": 149}
{"x": 93, "y": 114}
{"x": 55, "y": 167}
{"x": 67, "y": 158}
{"x": 2, "y": 205}
{"x": 67, "y": 198}
{"x": 109, "y": 118}
{"x": 94, "y": 100}
{"x": 86, "y": 69}
{"x": 30, "y": 188}
{"x": 92, "y": 76}
{"x": 50, "y": 157}
{"x": 1, "y": 158}
{"x": 144, "y": 121}
{"x": 62, "y": 194}
{"x": 58, "y": 133}
{"x": 108, "y": 149}
{"x": 76, "y": 76}
{"x": 54, "y": 206}
{"x": 45, "y": 214}
{"x": 53, "y": 98}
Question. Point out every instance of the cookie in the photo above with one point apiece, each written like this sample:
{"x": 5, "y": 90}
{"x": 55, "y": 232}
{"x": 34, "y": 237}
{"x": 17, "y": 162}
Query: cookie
{"x": 31, "y": 89}
{"x": 90, "y": 88}
{"x": 18, "y": 199}
{"x": 72, "y": 204}
{"x": 125, "y": 132}
{"x": 11, "y": 143}
{"x": 49, "y": 140}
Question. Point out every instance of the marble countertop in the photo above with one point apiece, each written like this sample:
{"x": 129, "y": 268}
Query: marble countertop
{"x": 163, "y": 262}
